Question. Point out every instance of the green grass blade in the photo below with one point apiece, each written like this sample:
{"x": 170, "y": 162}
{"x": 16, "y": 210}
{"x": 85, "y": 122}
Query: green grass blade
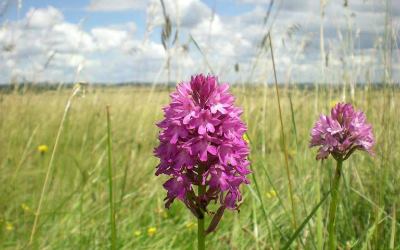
{"x": 258, "y": 192}
{"x": 288, "y": 174}
{"x": 110, "y": 183}
{"x": 304, "y": 223}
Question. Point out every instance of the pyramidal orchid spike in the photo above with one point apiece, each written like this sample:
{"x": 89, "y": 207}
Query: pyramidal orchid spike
{"x": 341, "y": 133}
{"x": 202, "y": 149}
{"x": 202, "y": 129}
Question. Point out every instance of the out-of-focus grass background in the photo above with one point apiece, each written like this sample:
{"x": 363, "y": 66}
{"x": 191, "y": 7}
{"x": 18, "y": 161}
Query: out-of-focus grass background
{"x": 75, "y": 206}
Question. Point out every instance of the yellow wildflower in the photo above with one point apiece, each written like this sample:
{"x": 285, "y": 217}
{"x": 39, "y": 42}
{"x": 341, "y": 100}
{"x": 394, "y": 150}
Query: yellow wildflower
{"x": 9, "y": 226}
{"x": 137, "y": 233}
{"x": 271, "y": 194}
{"x": 43, "y": 148}
{"x": 151, "y": 231}
{"x": 246, "y": 138}
{"x": 25, "y": 207}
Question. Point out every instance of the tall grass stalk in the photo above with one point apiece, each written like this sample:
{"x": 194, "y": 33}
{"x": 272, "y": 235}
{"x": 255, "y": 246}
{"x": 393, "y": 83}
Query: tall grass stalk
{"x": 322, "y": 50}
{"x": 283, "y": 138}
{"x": 393, "y": 228}
{"x": 110, "y": 183}
{"x": 202, "y": 54}
{"x": 259, "y": 195}
{"x": 50, "y": 166}
{"x": 24, "y": 154}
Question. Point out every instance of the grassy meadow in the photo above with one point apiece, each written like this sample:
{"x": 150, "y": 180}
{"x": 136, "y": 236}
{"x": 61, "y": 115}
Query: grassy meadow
{"x": 75, "y": 206}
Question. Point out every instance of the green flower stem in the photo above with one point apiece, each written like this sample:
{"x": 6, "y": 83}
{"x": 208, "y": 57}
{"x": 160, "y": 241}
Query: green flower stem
{"x": 201, "y": 243}
{"x": 110, "y": 184}
{"x": 333, "y": 206}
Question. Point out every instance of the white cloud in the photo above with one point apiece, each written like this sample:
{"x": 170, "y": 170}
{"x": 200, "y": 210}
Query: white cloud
{"x": 185, "y": 13}
{"x": 116, "y": 5}
{"x": 107, "y": 38}
{"x": 51, "y": 49}
{"x": 43, "y": 18}
{"x": 67, "y": 37}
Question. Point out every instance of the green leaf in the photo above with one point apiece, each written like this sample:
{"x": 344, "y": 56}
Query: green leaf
{"x": 304, "y": 223}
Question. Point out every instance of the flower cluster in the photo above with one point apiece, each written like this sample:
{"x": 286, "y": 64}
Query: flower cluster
{"x": 201, "y": 144}
{"x": 344, "y": 131}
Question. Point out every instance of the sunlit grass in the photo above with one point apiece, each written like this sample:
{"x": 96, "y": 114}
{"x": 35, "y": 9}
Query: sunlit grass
{"x": 75, "y": 210}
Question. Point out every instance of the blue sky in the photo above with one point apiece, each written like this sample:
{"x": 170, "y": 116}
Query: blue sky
{"x": 120, "y": 40}
{"x": 76, "y": 10}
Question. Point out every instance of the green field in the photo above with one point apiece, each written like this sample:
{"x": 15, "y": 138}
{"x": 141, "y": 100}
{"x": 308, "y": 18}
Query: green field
{"x": 75, "y": 206}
